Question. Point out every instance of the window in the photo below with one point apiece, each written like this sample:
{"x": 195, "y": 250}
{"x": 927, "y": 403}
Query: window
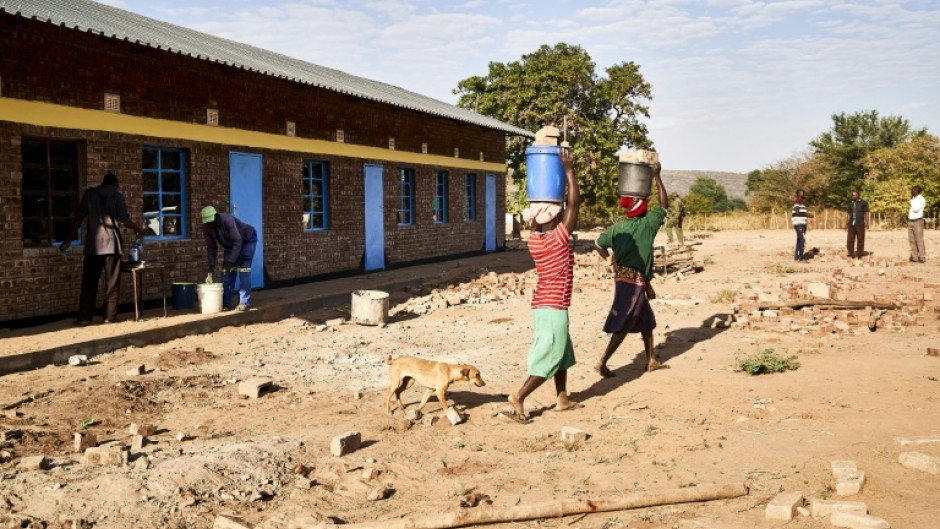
{"x": 470, "y": 198}
{"x": 439, "y": 202}
{"x": 316, "y": 213}
{"x": 406, "y": 197}
{"x": 49, "y": 191}
{"x": 164, "y": 196}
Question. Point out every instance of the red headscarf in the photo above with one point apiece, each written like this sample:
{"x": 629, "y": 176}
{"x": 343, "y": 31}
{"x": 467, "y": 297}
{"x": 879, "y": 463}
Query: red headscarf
{"x": 633, "y": 206}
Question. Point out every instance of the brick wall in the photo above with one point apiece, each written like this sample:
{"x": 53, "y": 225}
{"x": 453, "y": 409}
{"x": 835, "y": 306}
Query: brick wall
{"x": 53, "y": 64}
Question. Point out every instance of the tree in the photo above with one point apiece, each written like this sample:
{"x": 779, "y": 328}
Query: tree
{"x": 753, "y": 181}
{"x": 708, "y": 191}
{"x": 843, "y": 148}
{"x": 557, "y": 86}
{"x": 779, "y": 182}
{"x": 891, "y": 172}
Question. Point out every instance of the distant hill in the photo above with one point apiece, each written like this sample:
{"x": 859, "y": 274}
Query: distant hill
{"x": 680, "y": 181}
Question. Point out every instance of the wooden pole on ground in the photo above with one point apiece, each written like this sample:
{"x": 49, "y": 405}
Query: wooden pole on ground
{"x": 553, "y": 509}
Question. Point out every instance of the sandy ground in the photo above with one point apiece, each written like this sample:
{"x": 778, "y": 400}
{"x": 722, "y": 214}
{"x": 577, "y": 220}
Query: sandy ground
{"x": 854, "y": 396}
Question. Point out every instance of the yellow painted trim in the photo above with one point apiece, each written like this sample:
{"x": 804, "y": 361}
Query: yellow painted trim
{"x": 66, "y": 117}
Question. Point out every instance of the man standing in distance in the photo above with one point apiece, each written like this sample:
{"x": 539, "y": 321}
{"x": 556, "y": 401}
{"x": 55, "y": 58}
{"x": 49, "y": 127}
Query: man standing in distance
{"x": 238, "y": 240}
{"x": 858, "y": 221}
{"x": 915, "y": 226}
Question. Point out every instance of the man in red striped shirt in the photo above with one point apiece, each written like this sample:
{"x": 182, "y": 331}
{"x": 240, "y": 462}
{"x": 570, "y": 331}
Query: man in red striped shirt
{"x": 552, "y": 353}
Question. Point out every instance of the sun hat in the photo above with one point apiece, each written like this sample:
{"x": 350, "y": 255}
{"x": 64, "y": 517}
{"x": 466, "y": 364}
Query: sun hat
{"x": 207, "y": 214}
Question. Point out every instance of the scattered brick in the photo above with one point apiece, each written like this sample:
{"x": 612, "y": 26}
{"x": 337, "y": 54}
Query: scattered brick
{"x": 919, "y": 461}
{"x": 573, "y": 435}
{"x": 33, "y": 463}
{"x": 455, "y": 417}
{"x": 83, "y": 441}
{"x": 254, "y": 386}
{"x": 142, "y": 429}
{"x": 347, "y": 443}
{"x": 138, "y": 442}
{"x": 78, "y": 360}
{"x": 784, "y": 505}
{"x": 136, "y": 371}
{"x": 109, "y": 455}
{"x": 853, "y": 520}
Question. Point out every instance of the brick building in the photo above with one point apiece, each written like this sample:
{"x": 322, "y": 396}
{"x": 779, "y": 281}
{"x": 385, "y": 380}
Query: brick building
{"x": 340, "y": 173}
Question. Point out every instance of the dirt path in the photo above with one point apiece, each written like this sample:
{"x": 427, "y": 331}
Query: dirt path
{"x": 700, "y": 422}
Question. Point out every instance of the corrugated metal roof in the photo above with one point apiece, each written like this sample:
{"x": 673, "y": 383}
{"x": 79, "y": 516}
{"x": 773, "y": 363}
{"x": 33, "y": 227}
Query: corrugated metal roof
{"x": 120, "y": 24}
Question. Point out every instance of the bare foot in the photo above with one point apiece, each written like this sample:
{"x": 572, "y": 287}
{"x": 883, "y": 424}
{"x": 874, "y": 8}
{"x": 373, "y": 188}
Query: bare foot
{"x": 517, "y": 406}
{"x": 564, "y": 404}
{"x": 654, "y": 365}
{"x": 603, "y": 371}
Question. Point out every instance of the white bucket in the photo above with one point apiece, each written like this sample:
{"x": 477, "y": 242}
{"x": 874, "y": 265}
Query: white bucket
{"x": 369, "y": 307}
{"x": 210, "y": 297}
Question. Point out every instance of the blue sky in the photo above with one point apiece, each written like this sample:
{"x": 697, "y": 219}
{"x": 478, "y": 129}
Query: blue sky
{"x": 737, "y": 84}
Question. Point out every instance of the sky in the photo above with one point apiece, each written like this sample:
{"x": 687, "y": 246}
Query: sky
{"x": 737, "y": 85}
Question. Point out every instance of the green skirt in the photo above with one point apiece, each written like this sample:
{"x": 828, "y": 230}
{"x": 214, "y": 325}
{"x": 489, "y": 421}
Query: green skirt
{"x": 552, "y": 350}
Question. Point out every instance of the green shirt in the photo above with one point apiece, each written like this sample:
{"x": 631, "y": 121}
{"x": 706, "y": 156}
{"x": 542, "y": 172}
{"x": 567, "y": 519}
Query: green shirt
{"x": 632, "y": 240}
{"x": 675, "y": 209}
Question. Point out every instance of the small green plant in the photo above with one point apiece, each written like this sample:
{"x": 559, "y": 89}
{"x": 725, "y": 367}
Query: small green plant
{"x": 767, "y": 361}
{"x": 87, "y": 423}
{"x": 724, "y": 296}
{"x": 783, "y": 269}
{"x": 708, "y": 260}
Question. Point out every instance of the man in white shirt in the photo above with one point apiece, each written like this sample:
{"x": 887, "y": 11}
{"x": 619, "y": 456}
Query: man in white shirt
{"x": 915, "y": 226}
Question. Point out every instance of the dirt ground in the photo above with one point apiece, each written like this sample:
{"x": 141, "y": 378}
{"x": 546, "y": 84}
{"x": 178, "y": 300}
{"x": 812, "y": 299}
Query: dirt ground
{"x": 857, "y": 395}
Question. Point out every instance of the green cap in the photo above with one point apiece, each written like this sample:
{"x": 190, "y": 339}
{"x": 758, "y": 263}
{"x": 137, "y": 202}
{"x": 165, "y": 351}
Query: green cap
{"x": 207, "y": 214}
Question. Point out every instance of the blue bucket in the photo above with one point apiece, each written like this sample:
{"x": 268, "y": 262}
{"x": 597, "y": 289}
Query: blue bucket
{"x": 545, "y": 176}
{"x": 184, "y": 296}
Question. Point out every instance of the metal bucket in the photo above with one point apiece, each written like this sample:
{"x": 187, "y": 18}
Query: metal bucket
{"x": 635, "y": 180}
{"x": 369, "y": 307}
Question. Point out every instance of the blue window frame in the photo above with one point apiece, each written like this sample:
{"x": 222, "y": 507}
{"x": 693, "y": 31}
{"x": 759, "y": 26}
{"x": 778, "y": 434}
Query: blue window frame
{"x": 406, "y": 197}
{"x": 470, "y": 198}
{"x": 164, "y": 192}
{"x": 439, "y": 202}
{"x": 316, "y": 198}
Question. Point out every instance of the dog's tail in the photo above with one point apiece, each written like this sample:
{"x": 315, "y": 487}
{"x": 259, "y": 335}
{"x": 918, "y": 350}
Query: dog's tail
{"x": 389, "y": 359}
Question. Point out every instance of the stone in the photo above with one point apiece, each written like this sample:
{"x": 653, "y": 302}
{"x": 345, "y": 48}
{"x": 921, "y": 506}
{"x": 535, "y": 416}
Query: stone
{"x": 919, "y": 461}
{"x": 33, "y": 463}
{"x": 136, "y": 371}
{"x": 854, "y": 520}
{"x": 850, "y": 486}
{"x": 109, "y": 455}
{"x": 369, "y": 473}
{"x": 138, "y": 442}
{"x": 379, "y": 493}
{"x": 784, "y": 505}
{"x": 573, "y": 435}
{"x": 429, "y": 420}
{"x": 254, "y": 386}
{"x": 455, "y": 417}
{"x": 335, "y": 322}
{"x": 181, "y": 436}
{"x": 84, "y": 440}
{"x": 822, "y": 508}
{"x": 347, "y": 443}
{"x": 78, "y": 360}
{"x": 142, "y": 429}
{"x": 413, "y": 414}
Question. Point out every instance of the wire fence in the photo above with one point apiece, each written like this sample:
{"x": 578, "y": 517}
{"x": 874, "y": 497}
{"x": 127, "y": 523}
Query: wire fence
{"x": 780, "y": 220}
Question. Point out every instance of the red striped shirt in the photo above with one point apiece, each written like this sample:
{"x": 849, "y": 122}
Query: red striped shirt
{"x": 554, "y": 263}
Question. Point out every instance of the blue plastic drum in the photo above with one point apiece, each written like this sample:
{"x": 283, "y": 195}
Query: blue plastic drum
{"x": 545, "y": 176}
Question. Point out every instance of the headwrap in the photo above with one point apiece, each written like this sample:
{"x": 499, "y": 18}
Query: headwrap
{"x": 633, "y": 206}
{"x": 541, "y": 212}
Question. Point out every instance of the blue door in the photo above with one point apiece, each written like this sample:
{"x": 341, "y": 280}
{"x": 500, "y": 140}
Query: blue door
{"x": 245, "y": 192}
{"x": 374, "y": 218}
{"x": 490, "y": 241}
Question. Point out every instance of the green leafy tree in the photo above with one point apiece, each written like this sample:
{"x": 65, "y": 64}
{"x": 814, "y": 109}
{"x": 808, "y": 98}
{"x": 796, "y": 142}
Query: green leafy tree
{"x": 716, "y": 195}
{"x": 557, "y": 85}
{"x": 891, "y": 172}
{"x": 843, "y": 148}
{"x": 779, "y": 182}
{"x": 696, "y": 204}
{"x": 753, "y": 181}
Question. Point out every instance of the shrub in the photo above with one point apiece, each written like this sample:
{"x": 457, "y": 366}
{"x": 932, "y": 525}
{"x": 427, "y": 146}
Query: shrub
{"x": 767, "y": 361}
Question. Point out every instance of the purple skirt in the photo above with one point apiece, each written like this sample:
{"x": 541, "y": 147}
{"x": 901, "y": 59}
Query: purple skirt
{"x": 631, "y": 311}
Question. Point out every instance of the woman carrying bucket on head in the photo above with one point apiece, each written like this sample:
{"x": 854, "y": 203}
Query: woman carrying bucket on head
{"x": 631, "y": 240}
{"x": 238, "y": 240}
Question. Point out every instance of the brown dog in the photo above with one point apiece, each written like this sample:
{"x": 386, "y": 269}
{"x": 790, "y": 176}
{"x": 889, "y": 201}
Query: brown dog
{"x": 434, "y": 376}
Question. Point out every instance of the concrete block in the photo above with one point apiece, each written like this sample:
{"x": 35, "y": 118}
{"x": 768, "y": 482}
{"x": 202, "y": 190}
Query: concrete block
{"x": 919, "y": 461}
{"x": 573, "y": 435}
{"x": 84, "y": 440}
{"x": 784, "y": 505}
{"x": 110, "y": 455}
{"x": 142, "y": 429}
{"x": 823, "y": 508}
{"x": 138, "y": 442}
{"x": 254, "y": 386}
{"x": 455, "y": 417}
{"x": 347, "y": 443}
{"x": 853, "y": 520}
{"x": 843, "y": 469}
{"x": 33, "y": 463}
{"x": 850, "y": 486}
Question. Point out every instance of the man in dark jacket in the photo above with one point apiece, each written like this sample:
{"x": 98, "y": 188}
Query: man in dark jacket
{"x": 238, "y": 239}
{"x": 105, "y": 211}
